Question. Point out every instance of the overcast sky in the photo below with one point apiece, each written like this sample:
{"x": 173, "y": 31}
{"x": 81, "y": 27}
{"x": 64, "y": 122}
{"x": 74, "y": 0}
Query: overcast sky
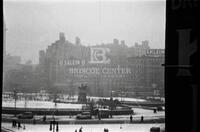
{"x": 32, "y": 26}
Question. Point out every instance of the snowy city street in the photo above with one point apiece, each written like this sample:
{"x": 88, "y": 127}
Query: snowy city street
{"x": 87, "y": 128}
{"x": 83, "y": 66}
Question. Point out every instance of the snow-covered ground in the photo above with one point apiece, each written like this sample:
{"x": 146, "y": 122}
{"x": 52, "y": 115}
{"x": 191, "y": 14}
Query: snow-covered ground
{"x": 48, "y": 104}
{"x": 87, "y": 128}
{"x": 147, "y": 113}
{"x": 119, "y": 98}
{"x": 75, "y": 98}
{"x": 40, "y": 104}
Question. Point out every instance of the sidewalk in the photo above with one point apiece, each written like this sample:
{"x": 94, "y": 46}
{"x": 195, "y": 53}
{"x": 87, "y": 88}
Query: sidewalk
{"x": 125, "y": 127}
{"x": 3, "y": 129}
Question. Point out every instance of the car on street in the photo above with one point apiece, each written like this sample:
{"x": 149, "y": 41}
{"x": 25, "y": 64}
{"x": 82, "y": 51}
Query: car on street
{"x": 84, "y": 115}
{"x": 25, "y": 115}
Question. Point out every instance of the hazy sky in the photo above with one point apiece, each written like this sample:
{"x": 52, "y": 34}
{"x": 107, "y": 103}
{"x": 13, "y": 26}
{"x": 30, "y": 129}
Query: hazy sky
{"x": 33, "y": 26}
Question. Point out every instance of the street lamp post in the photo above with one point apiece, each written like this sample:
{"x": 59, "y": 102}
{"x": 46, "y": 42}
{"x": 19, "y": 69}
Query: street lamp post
{"x": 111, "y": 104}
{"x": 15, "y": 97}
{"x": 55, "y": 101}
{"x": 25, "y": 101}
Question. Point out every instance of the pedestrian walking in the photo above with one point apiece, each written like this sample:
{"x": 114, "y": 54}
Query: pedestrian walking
{"x": 99, "y": 115}
{"x": 80, "y": 130}
{"x": 106, "y": 130}
{"x": 24, "y": 127}
{"x": 131, "y": 118}
{"x": 57, "y": 127}
{"x": 44, "y": 118}
{"x": 142, "y": 118}
{"x": 70, "y": 115}
{"x": 76, "y": 130}
{"x": 34, "y": 121}
{"x": 120, "y": 126}
{"x": 13, "y": 123}
{"x": 50, "y": 127}
{"x": 154, "y": 110}
{"x": 19, "y": 125}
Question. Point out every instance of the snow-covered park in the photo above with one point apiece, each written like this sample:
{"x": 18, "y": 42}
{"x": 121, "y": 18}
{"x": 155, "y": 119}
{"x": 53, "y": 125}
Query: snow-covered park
{"x": 40, "y": 104}
{"x": 50, "y": 104}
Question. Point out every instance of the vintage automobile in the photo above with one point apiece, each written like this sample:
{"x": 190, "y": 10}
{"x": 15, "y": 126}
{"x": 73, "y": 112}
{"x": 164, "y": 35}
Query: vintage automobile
{"x": 84, "y": 115}
{"x": 25, "y": 115}
{"x": 155, "y": 129}
{"x": 103, "y": 113}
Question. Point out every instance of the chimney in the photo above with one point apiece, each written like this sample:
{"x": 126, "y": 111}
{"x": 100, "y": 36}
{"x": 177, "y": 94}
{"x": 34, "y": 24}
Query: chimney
{"x": 62, "y": 37}
{"x": 77, "y": 41}
{"x": 115, "y": 41}
{"x": 122, "y": 42}
{"x": 145, "y": 43}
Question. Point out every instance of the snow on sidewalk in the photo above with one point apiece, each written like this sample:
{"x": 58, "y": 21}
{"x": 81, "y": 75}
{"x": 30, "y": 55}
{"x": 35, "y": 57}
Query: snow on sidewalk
{"x": 87, "y": 128}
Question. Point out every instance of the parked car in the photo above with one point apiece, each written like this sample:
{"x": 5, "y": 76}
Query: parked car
{"x": 155, "y": 129}
{"x": 84, "y": 115}
{"x": 103, "y": 113}
{"x": 160, "y": 108}
{"x": 25, "y": 115}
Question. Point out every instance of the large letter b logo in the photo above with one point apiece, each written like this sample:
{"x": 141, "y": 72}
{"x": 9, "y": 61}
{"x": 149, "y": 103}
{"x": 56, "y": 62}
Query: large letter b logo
{"x": 98, "y": 55}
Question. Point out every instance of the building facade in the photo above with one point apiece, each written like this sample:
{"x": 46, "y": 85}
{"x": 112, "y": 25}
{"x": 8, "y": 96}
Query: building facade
{"x": 107, "y": 69}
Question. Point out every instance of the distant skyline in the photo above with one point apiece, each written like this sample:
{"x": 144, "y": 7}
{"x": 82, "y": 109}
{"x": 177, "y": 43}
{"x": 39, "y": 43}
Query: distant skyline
{"x": 32, "y": 26}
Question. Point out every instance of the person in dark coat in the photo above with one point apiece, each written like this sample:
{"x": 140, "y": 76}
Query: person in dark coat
{"x": 44, "y": 118}
{"x": 154, "y": 111}
{"x": 19, "y": 125}
{"x": 99, "y": 115}
{"x": 80, "y": 130}
{"x": 34, "y": 121}
{"x": 131, "y": 118}
{"x": 13, "y": 123}
{"x": 57, "y": 127}
{"x": 106, "y": 130}
{"x": 142, "y": 118}
{"x": 50, "y": 127}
